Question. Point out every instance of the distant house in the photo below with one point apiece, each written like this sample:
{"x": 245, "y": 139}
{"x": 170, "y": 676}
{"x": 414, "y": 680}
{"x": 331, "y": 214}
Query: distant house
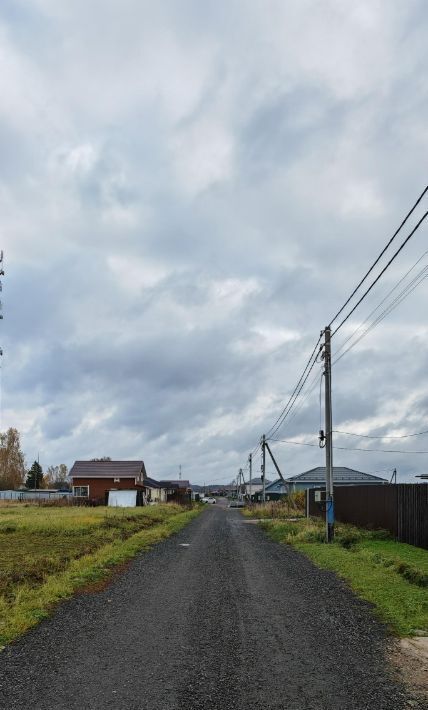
{"x": 255, "y": 487}
{"x": 177, "y": 491}
{"x": 95, "y": 479}
{"x": 315, "y": 478}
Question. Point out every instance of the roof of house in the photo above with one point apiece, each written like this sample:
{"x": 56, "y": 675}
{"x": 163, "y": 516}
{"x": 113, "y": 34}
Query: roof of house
{"x": 151, "y": 483}
{"x": 257, "y": 482}
{"x": 175, "y": 484}
{"x": 275, "y": 484}
{"x": 341, "y": 474}
{"x": 107, "y": 469}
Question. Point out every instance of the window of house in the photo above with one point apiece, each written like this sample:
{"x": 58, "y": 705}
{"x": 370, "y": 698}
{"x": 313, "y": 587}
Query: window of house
{"x": 81, "y": 491}
{"x": 116, "y": 480}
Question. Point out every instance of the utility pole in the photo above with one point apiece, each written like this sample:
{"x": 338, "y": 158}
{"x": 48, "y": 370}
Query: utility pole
{"x": 1, "y": 350}
{"x": 264, "y": 468}
{"x": 329, "y": 493}
{"x": 250, "y": 462}
{"x": 240, "y": 484}
{"x": 179, "y": 473}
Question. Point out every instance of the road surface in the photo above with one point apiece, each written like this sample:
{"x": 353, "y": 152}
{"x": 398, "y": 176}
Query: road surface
{"x": 216, "y": 617}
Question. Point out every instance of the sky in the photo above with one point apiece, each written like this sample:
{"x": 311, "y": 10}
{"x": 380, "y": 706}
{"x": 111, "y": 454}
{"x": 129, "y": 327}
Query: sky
{"x": 188, "y": 193}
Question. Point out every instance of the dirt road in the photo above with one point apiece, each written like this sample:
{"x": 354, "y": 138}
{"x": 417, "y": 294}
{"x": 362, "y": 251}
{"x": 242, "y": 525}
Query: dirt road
{"x": 216, "y": 617}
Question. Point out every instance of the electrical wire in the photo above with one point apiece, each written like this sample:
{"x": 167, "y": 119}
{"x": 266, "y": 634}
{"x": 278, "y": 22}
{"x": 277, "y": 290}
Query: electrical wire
{"x": 312, "y": 385}
{"x": 386, "y": 436}
{"x": 405, "y": 293}
{"x": 381, "y": 303}
{"x": 284, "y": 412}
{"x": 360, "y": 300}
{"x": 348, "y": 448}
{"x": 293, "y": 400}
{"x": 380, "y": 255}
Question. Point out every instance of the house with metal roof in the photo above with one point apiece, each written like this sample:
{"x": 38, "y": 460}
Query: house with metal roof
{"x": 177, "y": 491}
{"x": 95, "y": 479}
{"x": 315, "y": 478}
{"x": 254, "y": 487}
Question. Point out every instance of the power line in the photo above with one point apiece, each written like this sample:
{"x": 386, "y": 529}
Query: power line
{"x": 284, "y": 412}
{"x": 294, "y": 399}
{"x": 381, "y": 303}
{"x": 380, "y": 255}
{"x": 405, "y": 293}
{"x": 385, "y": 436}
{"x": 349, "y": 448}
{"x": 424, "y": 216}
{"x": 312, "y": 385}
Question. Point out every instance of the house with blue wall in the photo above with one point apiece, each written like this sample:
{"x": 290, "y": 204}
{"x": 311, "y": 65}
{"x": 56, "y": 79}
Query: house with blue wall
{"x": 315, "y": 478}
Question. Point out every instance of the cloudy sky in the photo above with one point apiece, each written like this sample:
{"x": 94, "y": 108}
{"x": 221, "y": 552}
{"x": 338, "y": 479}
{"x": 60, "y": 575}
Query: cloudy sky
{"x": 188, "y": 193}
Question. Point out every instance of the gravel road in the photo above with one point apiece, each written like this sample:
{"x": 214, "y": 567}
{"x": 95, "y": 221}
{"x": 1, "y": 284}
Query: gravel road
{"x": 232, "y": 620}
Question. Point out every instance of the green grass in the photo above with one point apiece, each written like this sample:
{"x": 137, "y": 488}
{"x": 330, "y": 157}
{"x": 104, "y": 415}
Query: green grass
{"x": 392, "y": 576}
{"x": 47, "y": 554}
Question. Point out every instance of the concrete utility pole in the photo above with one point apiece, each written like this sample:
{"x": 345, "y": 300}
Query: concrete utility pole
{"x": 264, "y": 468}
{"x": 329, "y": 493}
{"x": 250, "y": 462}
{"x": 1, "y": 350}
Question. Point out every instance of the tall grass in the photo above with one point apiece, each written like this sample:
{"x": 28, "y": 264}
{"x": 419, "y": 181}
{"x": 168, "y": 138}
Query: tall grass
{"x": 291, "y": 506}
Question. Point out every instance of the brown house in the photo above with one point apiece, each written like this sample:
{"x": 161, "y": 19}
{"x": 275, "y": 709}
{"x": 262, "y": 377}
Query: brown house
{"x": 94, "y": 479}
{"x": 178, "y": 491}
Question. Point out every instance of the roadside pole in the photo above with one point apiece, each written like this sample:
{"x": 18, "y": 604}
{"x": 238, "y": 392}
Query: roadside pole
{"x": 250, "y": 462}
{"x": 264, "y": 467}
{"x": 329, "y": 493}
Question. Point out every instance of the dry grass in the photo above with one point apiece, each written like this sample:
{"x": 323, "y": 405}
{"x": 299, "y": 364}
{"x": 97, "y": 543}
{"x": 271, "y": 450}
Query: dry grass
{"x": 292, "y": 506}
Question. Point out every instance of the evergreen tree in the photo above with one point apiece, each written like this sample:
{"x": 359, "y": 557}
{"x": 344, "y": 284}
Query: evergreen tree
{"x": 35, "y": 476}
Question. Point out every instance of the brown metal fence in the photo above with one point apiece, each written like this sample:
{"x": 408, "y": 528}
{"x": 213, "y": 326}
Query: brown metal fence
{"x": 402, "y": 509}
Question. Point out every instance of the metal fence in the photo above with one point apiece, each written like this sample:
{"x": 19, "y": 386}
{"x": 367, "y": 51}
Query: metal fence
{"x": 39, "y": 496}
{"x": 402, "y": 509}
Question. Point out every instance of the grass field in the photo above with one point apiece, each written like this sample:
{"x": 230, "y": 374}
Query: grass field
{"x": 48, "y": 553}
{"x": 392, "y": 576}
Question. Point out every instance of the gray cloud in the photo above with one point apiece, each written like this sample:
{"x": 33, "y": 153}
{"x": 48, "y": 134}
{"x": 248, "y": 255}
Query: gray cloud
{"x": 187, "y": 194}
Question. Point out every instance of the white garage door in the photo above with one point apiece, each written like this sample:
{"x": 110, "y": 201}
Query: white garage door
{"x": 122, "y": 499}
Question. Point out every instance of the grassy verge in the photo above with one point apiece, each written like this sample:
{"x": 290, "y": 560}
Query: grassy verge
{"x": 391, "y": 575}
{"x": 47, "y": 555}
{"x": 292, "y": 507}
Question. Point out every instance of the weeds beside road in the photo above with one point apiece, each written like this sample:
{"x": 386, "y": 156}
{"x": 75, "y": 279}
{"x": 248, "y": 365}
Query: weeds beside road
{"x": 391, "y": 575}
{"x": 49, "y": 553}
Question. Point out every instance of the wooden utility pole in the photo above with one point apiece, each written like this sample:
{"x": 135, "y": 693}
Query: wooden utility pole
{"x": 329, "y": 491}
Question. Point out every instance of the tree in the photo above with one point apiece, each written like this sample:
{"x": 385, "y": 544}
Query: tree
{"x": 56, "y": 476}
{"x": 12, "y": 460}
{"x": 103, "y": 458}
{"x": 35, "y": 476}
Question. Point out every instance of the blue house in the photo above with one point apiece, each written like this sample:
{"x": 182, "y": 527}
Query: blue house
{"x": 315, "y": 478}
